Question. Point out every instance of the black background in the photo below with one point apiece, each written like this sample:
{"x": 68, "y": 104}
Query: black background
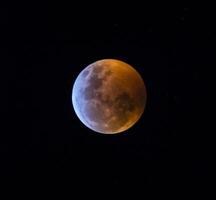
{"x": 44, "y": 48}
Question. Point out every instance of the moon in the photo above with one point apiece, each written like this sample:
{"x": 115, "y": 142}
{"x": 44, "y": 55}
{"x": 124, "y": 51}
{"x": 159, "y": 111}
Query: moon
{"x": 109, "y": 96}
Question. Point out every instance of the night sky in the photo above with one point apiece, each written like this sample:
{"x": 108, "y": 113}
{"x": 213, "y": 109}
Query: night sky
{"x": 45, "y": 145}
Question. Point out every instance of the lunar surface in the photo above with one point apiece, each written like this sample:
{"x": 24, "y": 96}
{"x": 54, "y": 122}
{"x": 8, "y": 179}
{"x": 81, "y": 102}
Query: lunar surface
{"x": 109, "y": 96}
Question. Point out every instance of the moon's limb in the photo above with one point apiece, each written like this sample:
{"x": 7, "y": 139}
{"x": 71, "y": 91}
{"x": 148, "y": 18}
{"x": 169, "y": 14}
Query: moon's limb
{"x": 109, "y": 96}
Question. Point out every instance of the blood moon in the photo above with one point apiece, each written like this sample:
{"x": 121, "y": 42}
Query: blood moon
{"x": 109, "y": 96}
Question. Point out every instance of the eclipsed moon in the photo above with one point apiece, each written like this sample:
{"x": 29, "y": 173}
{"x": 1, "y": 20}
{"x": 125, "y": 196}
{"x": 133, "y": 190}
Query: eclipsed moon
{"x": 109, "y": 96}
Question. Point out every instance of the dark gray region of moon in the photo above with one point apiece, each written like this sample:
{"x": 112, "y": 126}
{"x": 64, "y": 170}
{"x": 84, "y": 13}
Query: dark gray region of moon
{"x": 85, "y": 73}
{"x": 121, "y": 105}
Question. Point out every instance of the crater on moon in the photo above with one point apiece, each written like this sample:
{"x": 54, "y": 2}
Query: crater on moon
{"x": 109, "y": 96}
